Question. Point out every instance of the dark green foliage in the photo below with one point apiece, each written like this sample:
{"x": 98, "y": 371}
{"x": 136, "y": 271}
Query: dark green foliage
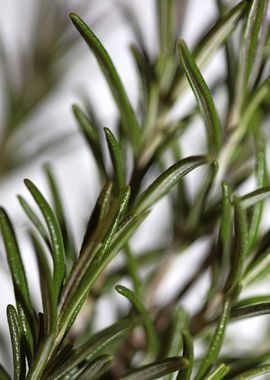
{"x": 151, "y": 340}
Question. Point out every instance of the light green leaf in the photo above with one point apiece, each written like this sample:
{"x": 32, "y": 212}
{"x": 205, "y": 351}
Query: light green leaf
{"x": 16, "y": 342}
{"x": 117, "y": 160}
{"x": 203, "y": 97}
{"x": 163, "y": 184}
{"x": 216, "y": 341}
{"x": 113, "y": 79}
{"x": 55, "y": 235}
{"x": 218, "y": 373}
{"x": 151, "y": 337}
{"x": 252, "y": 373}
{"x": 157, "y": 369}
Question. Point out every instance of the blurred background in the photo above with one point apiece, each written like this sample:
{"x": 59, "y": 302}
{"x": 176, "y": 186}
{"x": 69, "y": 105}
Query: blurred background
{"x": 45, "y": 67}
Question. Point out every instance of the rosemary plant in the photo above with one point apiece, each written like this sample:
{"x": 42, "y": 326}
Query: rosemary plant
{"x": 152, "y": 340}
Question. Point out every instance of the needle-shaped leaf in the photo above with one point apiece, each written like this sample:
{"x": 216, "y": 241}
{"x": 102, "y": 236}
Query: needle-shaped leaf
{"x": 117, "y": 160}
{"x": 188, "y": 352}
{"x": 240, "y": 248}
{"x": 60, "y": 215}
{"x": 151, "y": 337}
{"x": 35, "y": 220}
{"x": 258, "y": 268}
{"x": 218, "y": 373}
{"x": 214, "y": 39}
{"x": 98, "y": 344}
{"x": 55, "y": 235}
{"x": 203, "y": 97}
{"x": 252, "y": 373}
{"x": 95, "y": 369}
{"x": 226, "y": 224}
{"x": 199, "y": 203}
{"x": 25, "y": 311}
{"x": 46, "y": 286}
{"x": 157, "y": 369}
{"x": 16, "y": 342}
{"x": 113, "y": 79}
{"x": 215, "y": 342}
{"x": 91, "y": 136}
{"x": 259, "y": 195}
{"x": 251, "y": 311}
{"x": 163, "y": 184}
{"x": 165, "y": 11}
{"x": 261, "y": 173}
{"x": 247, "y": 56}
{"x": 41, "y": 358}
{"x": 80, "y": 286}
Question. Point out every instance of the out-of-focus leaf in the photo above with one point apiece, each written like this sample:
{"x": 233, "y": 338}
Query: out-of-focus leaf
{"x": 252, "y": 373}
{"x": 185, "y": 374}
{"x": 113, "y": 79}
{"x": 251, "y": 311}
{"x": 41, "y": 358}
{"x": 157, "y": 370}
{"x": 3, "y": 373}
{"x": 218, "y": 373}
{"x": 247, "y": 56}
{"x": 167, "y": 180}
{"x": 203, "y": 97}
{"x": 255, "y": 196}
{"x": 95, "y": 369}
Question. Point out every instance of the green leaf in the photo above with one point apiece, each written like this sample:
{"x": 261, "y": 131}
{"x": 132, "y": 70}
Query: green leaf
{"x": 55, "y": 235}
{"x": 99, "y": 343}
{"x": 97, "y": 368}
{"x": 240, "y": 248}
{"x": 23, "y": 301}
{"x": 251, "y": 311}
{"x": 185, "y": 374}
{"x": 76, "y": 290}
{"x": 226, "y": 224}
{"x": 46, "y": 287}
{"x": 261, "y": 173}
{"x": 165, "y": 11}
{"x": 150, "y": 332}
{"x": 60, "y": 215}
{"x": 247, "y": 57}
{"x": 16, "y": 342}
{"x": 157, "y": 369}
{"x": 203, "y": 97}
{"x": 216, "y": 341}
{"x": 91, "y": 136}
{"x": 252, "y": 373}
{"x": 35, "y": 220}
{"x": 258, "y": 195}
{"x": 113, "y": 79}
{"x": 199, "y": 204}
{"x": 214, "y": 39}
{"x": 163, "y": 184}
{"x": 41, "y": 358}
{"x": 218, "y": 373}
{"x": 258, "y": 268}
{"x": 117, "y": 160}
